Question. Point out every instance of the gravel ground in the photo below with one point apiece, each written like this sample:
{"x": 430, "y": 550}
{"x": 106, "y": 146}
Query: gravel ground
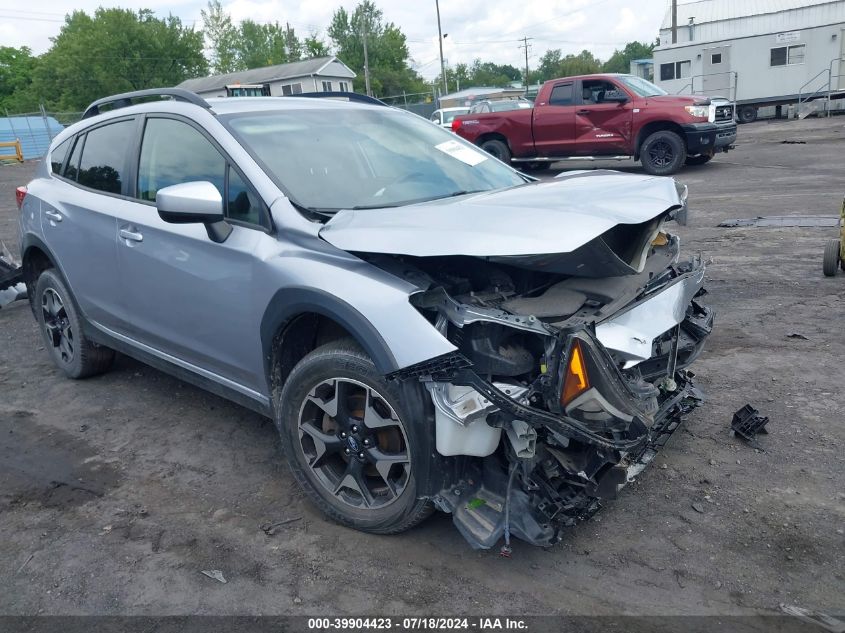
{"x": 118, "y": 491}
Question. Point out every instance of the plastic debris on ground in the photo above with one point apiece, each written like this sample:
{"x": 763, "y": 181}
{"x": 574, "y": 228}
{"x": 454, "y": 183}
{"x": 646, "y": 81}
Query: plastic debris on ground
{"x": 747, "y": 423}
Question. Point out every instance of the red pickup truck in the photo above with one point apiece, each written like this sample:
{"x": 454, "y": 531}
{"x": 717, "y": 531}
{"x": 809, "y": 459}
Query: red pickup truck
{"x": 603, "y": 116}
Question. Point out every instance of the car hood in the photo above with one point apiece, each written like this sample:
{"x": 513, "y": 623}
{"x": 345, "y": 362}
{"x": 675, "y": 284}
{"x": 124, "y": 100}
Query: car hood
{"x": 558, "y": 216}
{"x": 680, "y": 100}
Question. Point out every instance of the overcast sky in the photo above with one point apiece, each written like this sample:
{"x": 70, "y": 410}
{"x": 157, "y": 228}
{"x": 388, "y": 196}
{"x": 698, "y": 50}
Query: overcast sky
{"x": 487, "y": 29}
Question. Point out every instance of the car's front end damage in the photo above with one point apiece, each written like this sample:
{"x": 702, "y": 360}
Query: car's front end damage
{"x": 570, "y": 368}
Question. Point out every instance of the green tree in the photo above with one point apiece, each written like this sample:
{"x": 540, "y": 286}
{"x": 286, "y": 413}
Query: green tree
{"x": 17, "y": 66}
{"x": 116, "y": 50}
{"x": 620, "y": 61}
{"x": 265, "y": 45}
{"x": 313, "y": 46}
{"x": 221, "y": 36}
{"x": 554, "y": 64}
{"x": 387, "y": 50}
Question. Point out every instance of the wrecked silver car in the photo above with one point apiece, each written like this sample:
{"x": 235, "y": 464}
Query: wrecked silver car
{"x": 427, "y": 327}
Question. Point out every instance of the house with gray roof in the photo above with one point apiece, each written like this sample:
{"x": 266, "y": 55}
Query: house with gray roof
{"x": 320, "y": 74}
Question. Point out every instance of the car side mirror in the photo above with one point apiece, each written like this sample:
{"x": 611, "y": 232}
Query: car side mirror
{"x": 615, "y": 96}
{"x": 196, "y": 202}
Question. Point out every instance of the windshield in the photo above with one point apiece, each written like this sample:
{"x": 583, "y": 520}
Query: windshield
{"x": 451, "y": 114}
{"x": 338, "y": 158}
{"x": 641, "y": 87}
{"x": 504, "y": 106}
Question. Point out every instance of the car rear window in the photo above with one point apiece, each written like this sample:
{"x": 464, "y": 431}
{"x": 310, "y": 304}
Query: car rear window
{"x": 59, "y": 155}
{"x": 103, "y": 164}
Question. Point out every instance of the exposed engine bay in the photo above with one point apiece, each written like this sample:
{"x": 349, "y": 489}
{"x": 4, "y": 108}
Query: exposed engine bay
{"x": 563, "y": 387}
{"x": 569, "y": 371}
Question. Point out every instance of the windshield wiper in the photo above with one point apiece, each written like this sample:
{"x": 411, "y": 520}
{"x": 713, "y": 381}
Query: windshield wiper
{"x": 405, "y": 203}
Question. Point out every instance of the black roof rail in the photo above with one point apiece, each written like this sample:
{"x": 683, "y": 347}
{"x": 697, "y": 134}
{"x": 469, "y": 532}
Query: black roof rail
{"x": 337, "y": 94}
{"x": 125, "y": 99}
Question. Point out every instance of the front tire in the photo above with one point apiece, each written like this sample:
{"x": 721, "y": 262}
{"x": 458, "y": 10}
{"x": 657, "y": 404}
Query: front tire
{"x": 61, "y": 329}
{"x": 497, "y": 149}
{"x": 354, "y": 441}
{"x": 662, "y": 153}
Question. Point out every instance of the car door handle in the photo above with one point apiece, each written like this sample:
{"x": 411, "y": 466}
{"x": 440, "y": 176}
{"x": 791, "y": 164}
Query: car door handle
{"x": 54, "y": 215}
{"x": 131, "y": 235}
{"x": 583, "y": 112}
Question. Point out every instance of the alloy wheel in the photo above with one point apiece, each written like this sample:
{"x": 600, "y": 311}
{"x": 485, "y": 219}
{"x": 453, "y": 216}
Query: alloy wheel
{"x": 661, "y": 154}
{"x": 354, "y": 443}
{"x": 57, "y": 324}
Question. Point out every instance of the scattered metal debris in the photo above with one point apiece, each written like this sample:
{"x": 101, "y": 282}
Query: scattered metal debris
{"x": 796, "y": 221}
{"x": 747, "y": 422}
{"x": 797, "y": 335}
{"x": 214, "y": 574}
{"x": 11, "y": 278}
{"x": 789, "y": 142}
{"x": 815, "y": 617}
{"x": 25, "y": 563}
{"x": 270, "y": 528}
{"x": 698, "y": 508}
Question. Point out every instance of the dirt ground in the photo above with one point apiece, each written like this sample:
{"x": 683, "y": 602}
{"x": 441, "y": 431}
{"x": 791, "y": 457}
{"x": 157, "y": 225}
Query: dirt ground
{"x": 118, "y": 491}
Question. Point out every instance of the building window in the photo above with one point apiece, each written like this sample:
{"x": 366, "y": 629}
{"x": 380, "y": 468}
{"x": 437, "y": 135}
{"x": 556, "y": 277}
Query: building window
{"x": 327, "y": 86}
{"x": 716, "y": 58}
{"x": 344, "y": 87}
{"x": 787, "y": 55}
{"x": 292, "y": 89}
{"x": 676, "y": 70}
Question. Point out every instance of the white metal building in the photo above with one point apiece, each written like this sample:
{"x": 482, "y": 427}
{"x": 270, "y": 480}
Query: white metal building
{"x": 755, "y": 52}
{"x": 320, "y": 74}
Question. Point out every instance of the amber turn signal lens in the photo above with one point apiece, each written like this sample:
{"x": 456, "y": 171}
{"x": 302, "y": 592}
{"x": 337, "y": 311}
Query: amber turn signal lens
{"x": 575, "y": 379}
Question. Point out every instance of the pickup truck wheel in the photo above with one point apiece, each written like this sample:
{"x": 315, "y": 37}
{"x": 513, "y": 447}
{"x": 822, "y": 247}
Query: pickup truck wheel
{"x": 61, "y": 329}
{"x": 353, "y": 440}
{"x": 662, "y": 153}
{"x": 498, "y": 149}
{"x": 698, "y": 160}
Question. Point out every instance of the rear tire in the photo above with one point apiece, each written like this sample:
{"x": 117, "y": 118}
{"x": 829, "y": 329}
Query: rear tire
{"x": 61, "y": 329}
{"x": 354, "y": 441}
{"x": 698, "y": 160}
{"x": 534, "y": 166}
{"x": 747, "y": 114}
{"x": 831, "y": 259}
{"x": 497, "y": 149}
{"x": 662, "y": 153}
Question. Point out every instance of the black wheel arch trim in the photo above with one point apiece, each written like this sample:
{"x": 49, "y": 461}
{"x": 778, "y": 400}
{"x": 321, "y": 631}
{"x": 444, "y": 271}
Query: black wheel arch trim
{"x": 289, "y": 303}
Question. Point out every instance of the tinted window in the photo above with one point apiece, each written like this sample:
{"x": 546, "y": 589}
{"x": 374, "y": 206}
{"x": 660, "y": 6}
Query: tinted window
{"x": 103, "y": 158}
{"x": 778, "y": 56}
{"x": 73, "y": 163}
{"x": 173, "y": 152}
{"x": 242, "y": 204}
{"x": 667, "y": 72}
{"x": 58, "y": 156}
{"x": 561, "y": 95}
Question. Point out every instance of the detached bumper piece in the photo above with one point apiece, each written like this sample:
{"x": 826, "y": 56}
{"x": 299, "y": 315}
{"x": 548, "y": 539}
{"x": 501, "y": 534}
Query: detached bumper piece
{"x": 566, "y": 479}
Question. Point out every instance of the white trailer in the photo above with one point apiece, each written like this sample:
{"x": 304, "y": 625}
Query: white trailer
{"x": 756, "y": 53}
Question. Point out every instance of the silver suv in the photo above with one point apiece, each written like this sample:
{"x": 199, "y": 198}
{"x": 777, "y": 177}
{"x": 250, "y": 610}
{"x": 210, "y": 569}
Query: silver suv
{"x": 427, "y": 327}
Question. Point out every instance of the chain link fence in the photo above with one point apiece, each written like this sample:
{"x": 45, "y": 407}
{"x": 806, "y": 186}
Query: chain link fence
{"x": 421, "y": 103}
{"x": 34, "y": 130}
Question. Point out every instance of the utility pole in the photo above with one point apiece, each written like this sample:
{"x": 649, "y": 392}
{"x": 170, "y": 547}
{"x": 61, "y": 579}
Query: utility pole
{"x": 364, "y": 19}
{"x": 440, "y": 41}
{"x": 526, "y": 45}
{"x": 674, "y": 21}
